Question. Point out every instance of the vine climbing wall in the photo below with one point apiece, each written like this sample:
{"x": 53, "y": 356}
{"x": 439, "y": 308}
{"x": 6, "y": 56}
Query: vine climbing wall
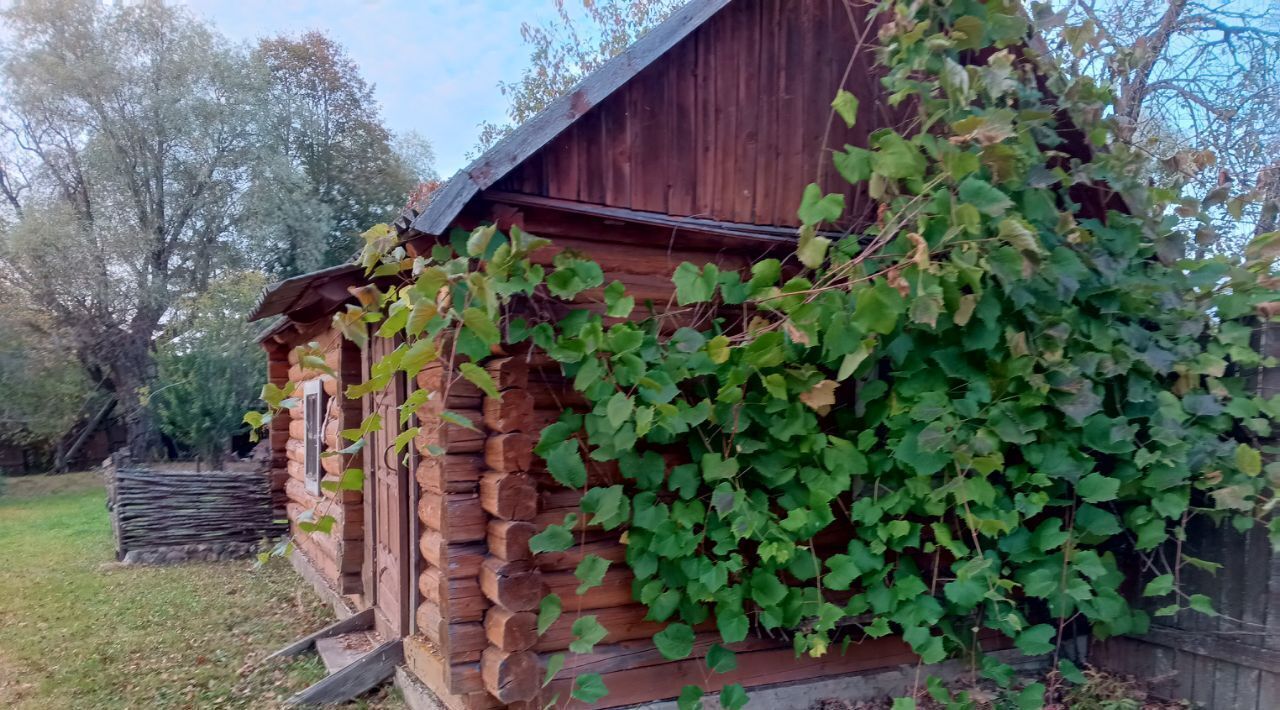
{"x": 1231, "y": 659}
{"x": 477, "y": 644}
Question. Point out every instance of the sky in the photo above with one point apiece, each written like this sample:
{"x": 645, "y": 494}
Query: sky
{"x": 435, "y": 64}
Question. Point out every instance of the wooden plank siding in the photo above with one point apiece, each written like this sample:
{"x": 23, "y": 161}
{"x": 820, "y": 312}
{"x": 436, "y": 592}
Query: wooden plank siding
{"x": 1232, "y": 660}
{"x": 730, "y": 124}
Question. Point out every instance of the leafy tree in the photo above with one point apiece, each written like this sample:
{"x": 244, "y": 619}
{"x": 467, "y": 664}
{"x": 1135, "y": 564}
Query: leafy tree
{"x": 337, "y": 169}
{"x": 418, "y": 156}
{"x": 143, "y": 157}
{"x": 566, "y": 49}
{"x": 46, "y": 392}
{"x": 1196, "y": 84}
{"x": 128, "y": 128}
{"x": 210, "y": 368}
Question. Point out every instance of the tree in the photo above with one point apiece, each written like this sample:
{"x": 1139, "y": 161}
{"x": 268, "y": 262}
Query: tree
{"x": 128, "y": 129}
{"x": 337, "y": 170}
{"x": 569, "y": 48}
{"x": 142, "y": 158}
{"x": 210, "y": 368}
{"x": 46, "y": 392}
{"x": 1196, "y": 83}
{"x": 418, "y": 156}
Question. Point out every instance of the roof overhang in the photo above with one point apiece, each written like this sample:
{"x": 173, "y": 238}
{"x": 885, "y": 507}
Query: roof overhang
{"x": 309, "y": 296}
{"x": 541, "y": 129}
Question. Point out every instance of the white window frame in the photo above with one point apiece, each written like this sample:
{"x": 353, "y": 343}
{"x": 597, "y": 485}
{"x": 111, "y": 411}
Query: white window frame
{"x": 313, "y": 418}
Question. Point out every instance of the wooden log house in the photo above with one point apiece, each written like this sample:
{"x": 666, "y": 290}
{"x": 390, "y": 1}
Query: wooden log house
{"x": 693, "y": 145}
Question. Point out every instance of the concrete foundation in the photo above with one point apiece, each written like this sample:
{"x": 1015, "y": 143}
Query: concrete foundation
{"x": 805, "y": 695}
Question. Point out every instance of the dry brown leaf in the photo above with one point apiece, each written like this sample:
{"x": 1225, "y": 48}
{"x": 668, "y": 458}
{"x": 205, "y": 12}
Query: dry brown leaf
{"x": 821, "y": 396}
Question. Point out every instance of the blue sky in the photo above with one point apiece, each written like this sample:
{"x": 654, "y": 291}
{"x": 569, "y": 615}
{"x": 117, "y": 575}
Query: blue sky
{"x": 436, "y": 64}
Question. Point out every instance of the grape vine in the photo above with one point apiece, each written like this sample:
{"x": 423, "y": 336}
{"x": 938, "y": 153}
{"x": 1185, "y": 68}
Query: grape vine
{"x": 990, "y": 406}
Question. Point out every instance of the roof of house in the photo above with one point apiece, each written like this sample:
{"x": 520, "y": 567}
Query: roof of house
{"x": 527, "y": 138}
{"x": 509, "y": 152}
{"x": 310, "y": 294}
{"x": 304, "y": 291}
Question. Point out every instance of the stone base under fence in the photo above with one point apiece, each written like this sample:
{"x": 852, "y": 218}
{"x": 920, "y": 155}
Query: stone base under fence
{"x": 196, "y": 552}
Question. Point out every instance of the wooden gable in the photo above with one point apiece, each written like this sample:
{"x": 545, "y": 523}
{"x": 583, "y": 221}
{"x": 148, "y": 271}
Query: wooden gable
{"x": 729, "y": 124}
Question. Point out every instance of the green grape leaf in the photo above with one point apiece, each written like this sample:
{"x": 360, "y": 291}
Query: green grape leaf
{"x": 477, "y": 376}
{"x": 587, "y": 632}
{"x": 590, "y": 572}
{"x": 548, "y": 611}
{"x": 721, "y": 659}
{"x": 846, "y": 105}
{"x": 1097, "y": 488}
{"x": 555, "y": 538}
{"x": 816, "y": 207}
{"x": 617, "y": 303}
{"x": 690, "y": 698}
{"x": 733, "y": 697}
{"x": 989, "y": 200}
{"x": 565, "y": 464}
{"x": 589, "y": 688}
{"x": 674, "y": 642}
{"x": 1036, "y": 640}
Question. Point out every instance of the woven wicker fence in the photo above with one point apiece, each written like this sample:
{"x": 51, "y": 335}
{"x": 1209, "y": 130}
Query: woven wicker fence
{"x": 163, "y": 516}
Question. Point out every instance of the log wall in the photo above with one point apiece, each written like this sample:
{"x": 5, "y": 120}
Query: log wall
{"x": 477, "y": 645}
{"x": 338, "y": 555}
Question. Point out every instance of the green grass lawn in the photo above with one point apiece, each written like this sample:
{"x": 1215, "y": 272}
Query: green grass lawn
{"x": 78, "y": 630}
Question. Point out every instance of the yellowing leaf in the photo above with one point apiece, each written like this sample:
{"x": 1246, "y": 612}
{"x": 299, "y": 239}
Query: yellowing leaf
{"x": 1248, "y": 460}
{"x": 964, "y": 311}
{"x": 853, "y": 359}
{"x": 821, "y": 396}
{"x": 799, "y": 337}
{"x": 718, "y": 349}
{"x": 811, "y": 249}
{"x": 846, "y": 104}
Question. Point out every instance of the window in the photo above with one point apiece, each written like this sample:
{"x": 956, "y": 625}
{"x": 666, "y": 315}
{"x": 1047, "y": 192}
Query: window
{"x": 313, "y": 416}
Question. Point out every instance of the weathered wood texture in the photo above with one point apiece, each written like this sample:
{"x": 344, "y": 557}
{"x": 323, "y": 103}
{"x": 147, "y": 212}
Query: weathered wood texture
{"x": 729, "y": 124}
{"x": 509, "y": 582}
{"x": 354, "y": 680}
{"x": 389, "y": 491}
{"x": 356, "y": 622}
{"x": 449, "y": 639}
{"x": 1231, "y": 661}
{"x": 212, "y": 511}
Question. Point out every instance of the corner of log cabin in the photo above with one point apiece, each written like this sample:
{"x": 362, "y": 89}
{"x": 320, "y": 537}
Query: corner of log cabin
{"x": 278, "y": 435}
{"x": 338, "y": 555}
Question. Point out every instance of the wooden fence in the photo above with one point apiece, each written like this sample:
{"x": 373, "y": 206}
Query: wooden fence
{"x": 161, "y": 515}
{"x": 1227, "y": 662}
{"x": 1231, "y": 661}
